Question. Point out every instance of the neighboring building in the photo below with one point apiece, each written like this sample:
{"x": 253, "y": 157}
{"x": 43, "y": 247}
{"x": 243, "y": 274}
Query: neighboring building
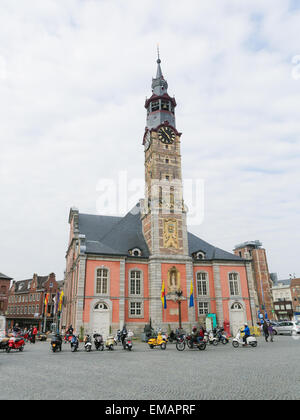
{"x": 4, "y": 288}
{"x": 116, "y": 266}
{"x": 295, "y": 295}
{"x": 253, "y": 251}
{"x": 26, "y": 301}
{"x": 282, "y": 298}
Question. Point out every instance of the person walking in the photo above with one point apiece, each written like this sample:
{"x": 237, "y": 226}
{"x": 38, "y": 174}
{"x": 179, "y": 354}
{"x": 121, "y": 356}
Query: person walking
{"x": 266, "y": 330}
{"x": 271, "y": 331}
{"x": 34, "y": 333}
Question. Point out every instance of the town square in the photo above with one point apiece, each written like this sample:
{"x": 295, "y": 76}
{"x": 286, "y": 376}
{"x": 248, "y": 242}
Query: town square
{"x": 149, "y": 169}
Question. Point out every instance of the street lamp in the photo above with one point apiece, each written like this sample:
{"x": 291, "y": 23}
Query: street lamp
{"x": 178, "y": 298}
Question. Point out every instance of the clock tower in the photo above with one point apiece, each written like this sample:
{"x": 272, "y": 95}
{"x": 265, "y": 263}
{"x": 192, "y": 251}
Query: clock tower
{"x": 163, "y": 215}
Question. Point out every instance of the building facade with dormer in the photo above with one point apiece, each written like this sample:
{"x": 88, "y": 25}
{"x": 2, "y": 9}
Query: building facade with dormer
{"x": 116, "y": 266}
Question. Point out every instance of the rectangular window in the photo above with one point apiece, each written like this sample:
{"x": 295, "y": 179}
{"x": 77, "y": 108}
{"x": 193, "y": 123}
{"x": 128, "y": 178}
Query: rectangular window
{"x": 135, "y": 309}
{"x": 102, "y": 281}
{"x": 202, "y": 284}
{"x": 135, "y": 283}
{"x": 233, "y": 284}
{"x": 203, "y": 308}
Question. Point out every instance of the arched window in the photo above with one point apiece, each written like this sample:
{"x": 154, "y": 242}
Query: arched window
{"x": 101, "y": 306}
{"x": 236, "y": 306}
{"x": 135, "y": 252}
{"x": 202, "y": 283}
{"x": 234, "y": 284}
{"x": 102, "y": 281}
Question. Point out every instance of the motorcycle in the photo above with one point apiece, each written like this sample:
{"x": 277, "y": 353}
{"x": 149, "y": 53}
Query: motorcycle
{"x": 74, "y": 343}
{"x": 88, "y": 343}
{"x": 68, "y": 338}
{"x": 157, "y": 341}
{"x": 180, "y": 342}
{"x": 238, "y": 340}
{"x": 56, "y": 342}
{"x": 109, "y": 343}
{"x": 127, "y": 342}
{"x": 16, "y": 343}
{"x": 98, "y": 341}
{"x": 192, "y": 341}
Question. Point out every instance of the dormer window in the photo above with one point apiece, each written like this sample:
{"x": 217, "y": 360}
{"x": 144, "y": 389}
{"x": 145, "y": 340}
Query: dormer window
{"x": 200, "y": 255}
{"x": 135, "y": 252}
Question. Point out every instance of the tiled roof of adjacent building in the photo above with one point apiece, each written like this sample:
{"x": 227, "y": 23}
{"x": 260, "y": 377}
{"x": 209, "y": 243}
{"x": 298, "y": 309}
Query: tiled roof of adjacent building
{"x": 108, "y": 235}
{"x": 3, "y": 276}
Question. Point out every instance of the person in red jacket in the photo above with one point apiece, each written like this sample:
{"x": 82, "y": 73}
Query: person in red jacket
{"x": 34, "y": 333}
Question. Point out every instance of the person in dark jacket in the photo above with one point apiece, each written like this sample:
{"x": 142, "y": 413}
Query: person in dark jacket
{"x": 266, "y": 330}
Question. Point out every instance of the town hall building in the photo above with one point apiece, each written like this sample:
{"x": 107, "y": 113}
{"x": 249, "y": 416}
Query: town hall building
{"x": 116, "y": 267}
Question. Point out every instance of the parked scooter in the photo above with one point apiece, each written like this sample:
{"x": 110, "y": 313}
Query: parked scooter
{"x": 88, "y": 343}
{"x": 117, "y": 338}
{"x": 238, "y": 340}
{"x": 109, "y": 343}
{"x": 209, "y": 338}
{"x": 127, "y": 341}
{"x": 16, "y": 343}
{"x": 98, "y": 341}
{"x": 4, "y": 342}
{"x": 56, "y": 342}
{"x": 221, "y": 337}
{"x": 74, "y": 343}
{"x": 158, "y": 341}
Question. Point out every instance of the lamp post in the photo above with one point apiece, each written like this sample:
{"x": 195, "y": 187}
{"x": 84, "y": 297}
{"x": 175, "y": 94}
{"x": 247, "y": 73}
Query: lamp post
{"x": 178, "y": 298}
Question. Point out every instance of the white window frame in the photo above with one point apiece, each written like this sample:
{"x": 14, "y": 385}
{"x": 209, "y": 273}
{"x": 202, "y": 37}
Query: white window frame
{"x": 141, "y": 280}
{"x": 203, "y": 306}
{"x": 201, "y": 281}
{"x": 102, "y": 293}
{"x": 234, "y": 284}
{"x": 134, "y": 302}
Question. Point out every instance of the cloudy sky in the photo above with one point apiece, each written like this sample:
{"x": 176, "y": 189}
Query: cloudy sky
{"x": 74, "y": 75}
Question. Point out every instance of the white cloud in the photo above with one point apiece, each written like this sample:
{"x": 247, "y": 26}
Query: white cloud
{"x": 76, "y": 77}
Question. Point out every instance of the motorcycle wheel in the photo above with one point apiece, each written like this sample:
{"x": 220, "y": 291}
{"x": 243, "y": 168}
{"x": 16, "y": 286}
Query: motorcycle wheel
{"x": 163, "y": 346}
{"x": 215, "y": 342}
{"x": 202, "y": 346}
{"x": 254, "y": 344}
{"x": 190, "y": 344}
{"x": 151, "y": 346}
{"x": 235, "y": 344}
{"x": 224, "y": 341}
{"x": 8, "y": 350}
{"x": 180, "y": 345}
{"x": 21, "y": 348}
{"x": 73, "y": 349}
{"x": 111, "y": 347}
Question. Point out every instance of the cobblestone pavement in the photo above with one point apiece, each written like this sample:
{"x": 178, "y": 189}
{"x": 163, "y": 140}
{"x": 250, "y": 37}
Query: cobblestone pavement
{"x": 270, "y": 371}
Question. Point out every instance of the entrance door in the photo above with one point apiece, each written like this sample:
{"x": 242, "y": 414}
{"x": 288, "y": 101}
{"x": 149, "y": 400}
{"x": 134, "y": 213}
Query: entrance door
{"x": 237, "y": 317}
{"x": 101, "y": 319}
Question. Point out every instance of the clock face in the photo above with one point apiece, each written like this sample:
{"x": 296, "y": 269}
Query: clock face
{"x": 147, "y": 140}
{"x": 166, "y": 135}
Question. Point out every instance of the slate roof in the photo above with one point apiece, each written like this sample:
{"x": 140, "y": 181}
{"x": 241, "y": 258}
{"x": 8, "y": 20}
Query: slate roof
{"x": 4, "y": 277}
{"x": 108, "y": 235}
